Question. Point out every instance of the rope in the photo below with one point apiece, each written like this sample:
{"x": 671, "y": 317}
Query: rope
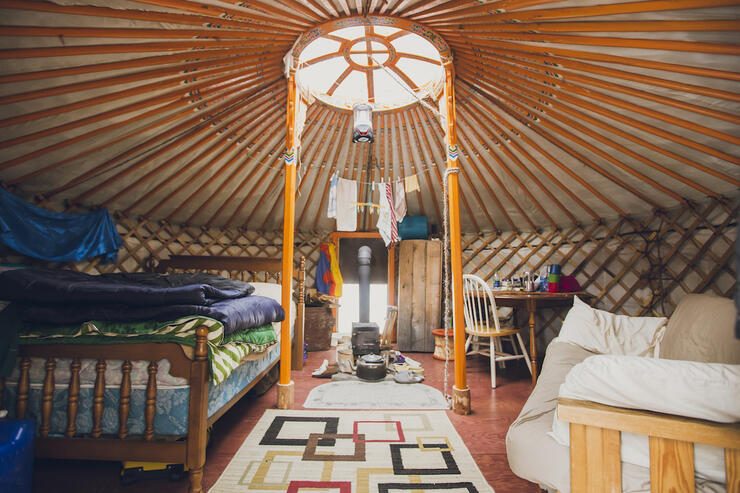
{"x": 403, "y": 85}
{"x": 446, "y": 275}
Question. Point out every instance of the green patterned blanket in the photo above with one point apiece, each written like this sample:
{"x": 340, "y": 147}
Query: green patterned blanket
{"x": 224, "y": 351}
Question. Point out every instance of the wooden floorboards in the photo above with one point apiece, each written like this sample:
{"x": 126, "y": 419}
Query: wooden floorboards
{"x": 493, "y": 412}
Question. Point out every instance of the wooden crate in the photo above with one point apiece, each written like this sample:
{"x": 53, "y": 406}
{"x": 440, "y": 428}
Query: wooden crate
{"x": 419, "y": 294}
{"x": 318, "y": 325}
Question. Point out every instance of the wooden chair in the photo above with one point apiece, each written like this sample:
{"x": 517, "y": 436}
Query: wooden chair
{"x": 482, "y": 322}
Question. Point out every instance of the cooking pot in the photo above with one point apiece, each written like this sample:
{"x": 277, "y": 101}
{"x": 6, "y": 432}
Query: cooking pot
{"x": 371, "y": 367}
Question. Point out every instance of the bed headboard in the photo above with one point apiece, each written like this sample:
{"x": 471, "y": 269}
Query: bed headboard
{"x": 208, "y": 262}
{"x": 270, "y": 267}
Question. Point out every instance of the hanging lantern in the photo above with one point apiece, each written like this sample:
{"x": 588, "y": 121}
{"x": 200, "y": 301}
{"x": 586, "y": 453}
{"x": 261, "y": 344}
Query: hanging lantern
{"x": 363, "y": 128}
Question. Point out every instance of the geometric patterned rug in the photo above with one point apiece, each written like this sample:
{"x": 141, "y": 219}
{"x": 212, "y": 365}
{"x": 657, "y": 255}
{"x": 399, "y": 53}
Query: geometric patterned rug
{"x": 375, "y": 395}
{"x": 352, "y": 452}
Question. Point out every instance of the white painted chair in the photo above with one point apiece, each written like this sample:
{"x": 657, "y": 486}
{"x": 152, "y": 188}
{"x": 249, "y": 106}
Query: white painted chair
{"x": 481, "y": 323}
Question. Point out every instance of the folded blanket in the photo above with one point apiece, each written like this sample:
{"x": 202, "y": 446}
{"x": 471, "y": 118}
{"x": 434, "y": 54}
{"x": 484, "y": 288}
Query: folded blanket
{"x": 140, "y": 289}
{"x": 234, "y": 314}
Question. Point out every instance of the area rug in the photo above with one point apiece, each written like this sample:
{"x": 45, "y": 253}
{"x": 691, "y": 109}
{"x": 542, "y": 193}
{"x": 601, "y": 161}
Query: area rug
{"x": 352, "y": 452}
{"x": 375, "y": 395}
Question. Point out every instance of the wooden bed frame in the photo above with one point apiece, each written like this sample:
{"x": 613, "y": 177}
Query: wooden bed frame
{"x": 147, "y": 447}
{"x": 595, "y": 460}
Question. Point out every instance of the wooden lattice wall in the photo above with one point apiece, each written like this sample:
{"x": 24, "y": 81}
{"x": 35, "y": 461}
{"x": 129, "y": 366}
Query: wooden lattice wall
{"x": 144, "y": 240}
{"x": 633, "y": 267}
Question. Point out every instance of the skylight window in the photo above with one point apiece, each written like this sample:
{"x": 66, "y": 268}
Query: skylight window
{"x": 386, "y": 66}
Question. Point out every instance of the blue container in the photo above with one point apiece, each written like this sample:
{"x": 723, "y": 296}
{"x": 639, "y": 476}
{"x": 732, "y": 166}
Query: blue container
{"x": 16, "y": 455}
{"x": 554, "y": 268}
{"x": 413, "y": 228}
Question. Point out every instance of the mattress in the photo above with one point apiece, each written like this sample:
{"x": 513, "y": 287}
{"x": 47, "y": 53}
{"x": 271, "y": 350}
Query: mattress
{"x": 171, "y": 411}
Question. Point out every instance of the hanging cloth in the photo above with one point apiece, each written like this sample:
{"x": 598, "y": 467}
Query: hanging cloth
{"x": 399, "y": 204}
{"x": 412, "y": 183}
{"x": 324, "y": 278}
{"x": 335, "y": 272}
{"x": 58, "y": 237}
{"x": 346, "y": 205}
{"x": 331, "y": 211}
{"x": 387, "y": 225}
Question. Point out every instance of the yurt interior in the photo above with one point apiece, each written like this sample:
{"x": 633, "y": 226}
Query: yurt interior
{"x": 360, "y": 246}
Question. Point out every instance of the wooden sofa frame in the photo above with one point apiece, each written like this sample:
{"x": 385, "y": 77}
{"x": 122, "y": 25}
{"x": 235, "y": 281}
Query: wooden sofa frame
{"x": 595, "y": 461}
{"x": 147, "y": 447}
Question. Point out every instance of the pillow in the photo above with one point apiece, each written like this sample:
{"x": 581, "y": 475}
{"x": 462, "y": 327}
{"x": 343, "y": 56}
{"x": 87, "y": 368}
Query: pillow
{"x": 606, "y": 333}
{"x": 702, "y": 328}
{"x": 685, "y": 388}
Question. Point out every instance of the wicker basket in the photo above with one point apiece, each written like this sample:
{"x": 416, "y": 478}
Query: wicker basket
{"x": 319, "y": 323}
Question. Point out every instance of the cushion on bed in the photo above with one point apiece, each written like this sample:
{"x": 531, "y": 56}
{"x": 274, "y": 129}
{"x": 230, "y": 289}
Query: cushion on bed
{"x": 702, "y": 329}
{"x": 606, "y": 333}
{"x": 683, "y": 388}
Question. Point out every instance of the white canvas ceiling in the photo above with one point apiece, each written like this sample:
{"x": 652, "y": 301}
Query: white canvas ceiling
{"x": 568, "y": 112}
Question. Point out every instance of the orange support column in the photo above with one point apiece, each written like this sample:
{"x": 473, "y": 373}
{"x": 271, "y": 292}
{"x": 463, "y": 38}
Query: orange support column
{"x": 286, "y": 385}
{"x": 460, "y": 391}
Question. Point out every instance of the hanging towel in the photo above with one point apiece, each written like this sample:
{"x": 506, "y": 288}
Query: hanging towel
{"x": 346, "y": 205}
{"x": 332, "y": 209}
{"x": 399, "y": 204}
{"x": 334, "y": 261}
{"x": 387, "y": 225}
{"x": 412, "y": 183}
{"x": 324, "y": 278}
{"x": 47, "y": 235}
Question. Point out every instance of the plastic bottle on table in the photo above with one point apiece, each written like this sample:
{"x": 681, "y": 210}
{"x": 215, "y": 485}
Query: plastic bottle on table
{"x": 496, "y": 281}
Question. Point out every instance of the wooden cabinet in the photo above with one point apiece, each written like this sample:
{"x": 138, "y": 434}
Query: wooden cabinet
{"x": 419, "y": 294}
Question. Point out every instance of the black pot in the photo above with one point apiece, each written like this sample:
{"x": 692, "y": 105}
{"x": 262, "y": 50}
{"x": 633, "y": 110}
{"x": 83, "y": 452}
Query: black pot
{"x": 371, "y": 367}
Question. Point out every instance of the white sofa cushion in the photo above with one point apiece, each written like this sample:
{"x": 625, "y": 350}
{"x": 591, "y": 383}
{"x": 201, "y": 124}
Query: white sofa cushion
{"x": 606, "y": 333}
{"x": 685, "y": 388}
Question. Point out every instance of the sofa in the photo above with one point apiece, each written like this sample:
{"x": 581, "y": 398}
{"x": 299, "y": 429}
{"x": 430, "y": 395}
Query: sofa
{"x": 701, "y": 329}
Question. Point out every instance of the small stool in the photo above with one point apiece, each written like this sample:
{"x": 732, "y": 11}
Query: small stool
{"x": 439, "y": 344}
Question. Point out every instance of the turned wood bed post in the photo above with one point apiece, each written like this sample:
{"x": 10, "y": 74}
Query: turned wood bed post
{"x": 460, "y": 391}
{"x": 285, "y": 384}
{"x": 198, "y": 411}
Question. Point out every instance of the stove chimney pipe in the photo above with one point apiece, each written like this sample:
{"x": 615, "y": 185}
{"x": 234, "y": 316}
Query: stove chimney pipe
{"x": 363, "y": 270}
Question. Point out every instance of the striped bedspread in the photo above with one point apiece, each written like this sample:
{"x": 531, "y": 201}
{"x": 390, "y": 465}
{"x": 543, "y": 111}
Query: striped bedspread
{"x": 223, "y": 355}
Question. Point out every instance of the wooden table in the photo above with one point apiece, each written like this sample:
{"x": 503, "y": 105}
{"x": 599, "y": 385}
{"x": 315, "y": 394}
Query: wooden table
{"x": 532, "y": 301}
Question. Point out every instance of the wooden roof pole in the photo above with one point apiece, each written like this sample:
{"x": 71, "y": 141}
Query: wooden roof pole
{"x": 460, "y": 391}
{"x": 318, "y": 130}
{"x": 286, "y": 385}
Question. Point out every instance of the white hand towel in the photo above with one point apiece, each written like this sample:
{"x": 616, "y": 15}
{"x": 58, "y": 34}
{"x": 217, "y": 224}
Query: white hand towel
{"x": 387, "y": 225}
{"x": 332, "y": 209}
{"x": 399, "y": 206}
{"x": 346, "y": 205}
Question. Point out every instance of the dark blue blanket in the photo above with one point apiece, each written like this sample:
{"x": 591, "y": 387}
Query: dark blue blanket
{"x": 50, "y": 286}
{"x": 236, "y": 314}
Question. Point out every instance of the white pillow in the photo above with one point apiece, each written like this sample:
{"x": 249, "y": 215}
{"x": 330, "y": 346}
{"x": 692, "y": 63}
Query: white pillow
{"x": 606, "y": 333}
{"x": 685, "y": 388}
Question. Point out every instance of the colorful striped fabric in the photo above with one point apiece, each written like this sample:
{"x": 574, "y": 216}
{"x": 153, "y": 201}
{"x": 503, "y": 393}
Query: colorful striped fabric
{"x": 223, "y": 357}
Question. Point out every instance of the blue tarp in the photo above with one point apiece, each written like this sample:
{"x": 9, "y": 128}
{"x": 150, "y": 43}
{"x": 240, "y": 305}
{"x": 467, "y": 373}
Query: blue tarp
{"x": 47, "y": 235}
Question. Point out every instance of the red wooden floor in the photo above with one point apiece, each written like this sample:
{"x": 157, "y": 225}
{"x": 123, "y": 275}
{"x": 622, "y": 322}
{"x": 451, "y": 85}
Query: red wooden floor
{"x": 483, "y": 431}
